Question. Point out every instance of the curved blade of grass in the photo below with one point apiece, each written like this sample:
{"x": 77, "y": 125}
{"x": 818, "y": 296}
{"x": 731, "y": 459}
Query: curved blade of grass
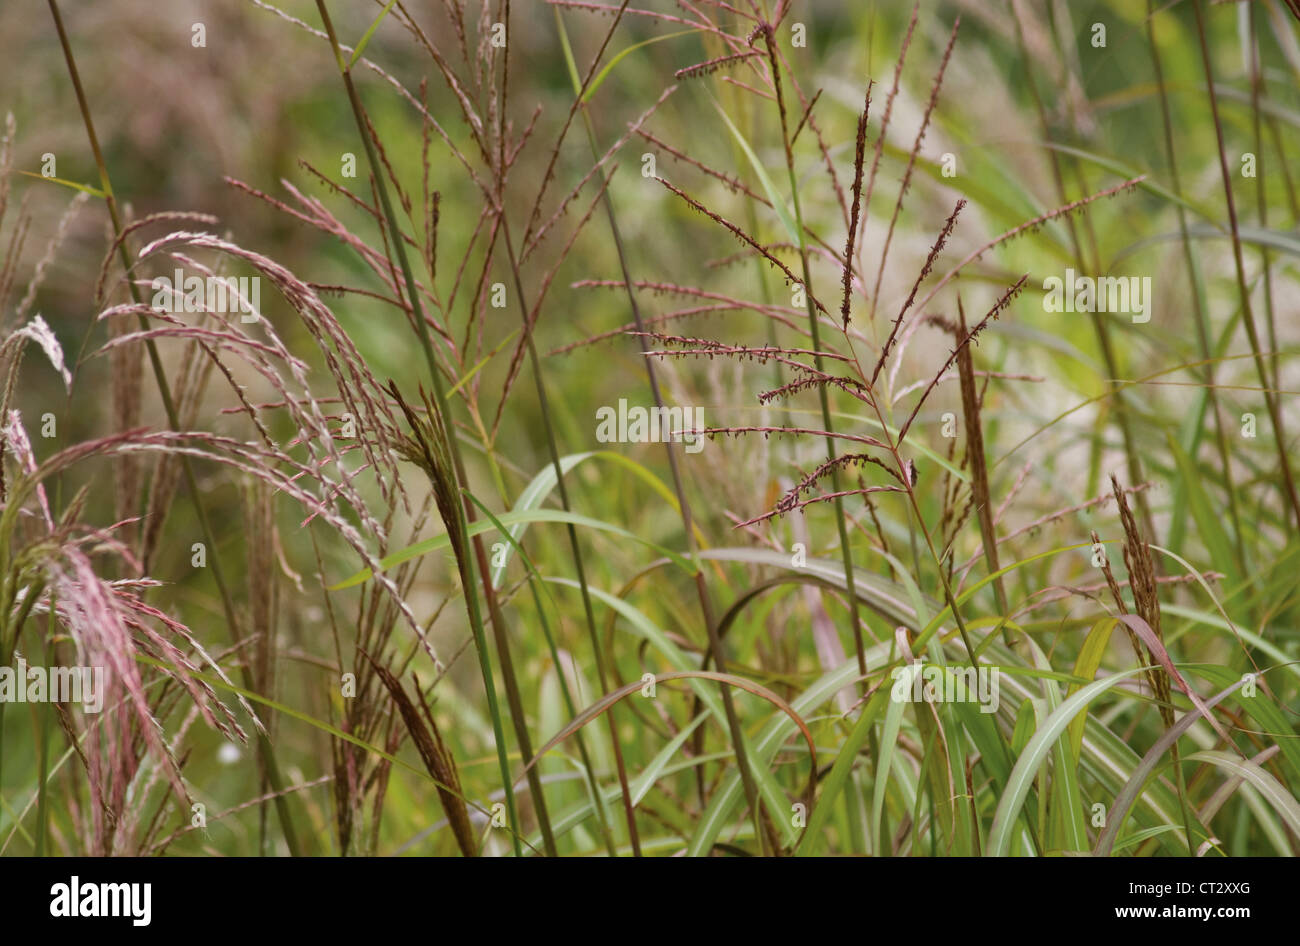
{"x": 1265, "y": 712}
{"x": 1274, "y": 239}
{"x": 600, "y": 706}
{"x": 1138, "y": 837}
{"x": 443, "y": 541}
{"x": 930, "y": 629}
{"x": 773, "y": 197}
{"x": 885, "y": 756}
{"x": 834, "y": 782}
{"x": 773, "y": 736}
{"x": 1129, "y": 793}
{"x": 1067, "y": 830}
{"x": 1158, "y": 650}
{"x": 708, "y": 696}
{"x": 1107, "y": 758}
{"x": 1035, "y": 753}
{"x": 1269, "y": 787}
{"x": 1263, "y": 645}
{"x": 573, "y": 816}
{"x": 1128, "y": 173}
{"x": 652, "y": 772}
{"x": 881, "y": 594}
{"x": 541, "y": 485}
{"x": 1086, "y": 667}
{"x": 609, "y": 66}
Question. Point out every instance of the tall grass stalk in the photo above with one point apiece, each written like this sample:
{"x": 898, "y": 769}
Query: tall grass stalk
{"x": 544, "y": 407}
{"x": 1101, "y": 329}
{"x": 761, "y": 829}
{"x": 841, "y": 523}
{"x": 1286, "y": 480}
{"x": 1194, "y": 282}
{"x": 464, "y": 562}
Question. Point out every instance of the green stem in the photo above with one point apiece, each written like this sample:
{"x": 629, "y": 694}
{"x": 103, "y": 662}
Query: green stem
{"x": 465, "y": 564}
{"x": 846, "y": 554}
{"x": 701, "y": 588}
{"x": 1287, "y": 481}
{"x": 543, "y": 404}
{"x": 1202, "y": 321}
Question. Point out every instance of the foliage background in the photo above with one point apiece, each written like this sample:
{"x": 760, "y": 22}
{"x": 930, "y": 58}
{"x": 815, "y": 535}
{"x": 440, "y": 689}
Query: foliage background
{"x": 264, "y": 95}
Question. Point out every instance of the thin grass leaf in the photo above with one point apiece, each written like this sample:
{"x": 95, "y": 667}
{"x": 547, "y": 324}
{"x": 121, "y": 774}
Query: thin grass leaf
{"x": 1035, "y": 754}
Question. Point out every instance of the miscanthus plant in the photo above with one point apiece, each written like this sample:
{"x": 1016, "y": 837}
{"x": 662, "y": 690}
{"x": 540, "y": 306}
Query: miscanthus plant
{"x": 962, "y": 570}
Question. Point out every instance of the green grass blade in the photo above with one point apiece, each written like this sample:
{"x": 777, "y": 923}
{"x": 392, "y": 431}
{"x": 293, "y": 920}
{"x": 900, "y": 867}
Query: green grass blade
{"x": 365, "y": 39}
{"x": 1035, "y": 753}
{"x": 438, "y": 542}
